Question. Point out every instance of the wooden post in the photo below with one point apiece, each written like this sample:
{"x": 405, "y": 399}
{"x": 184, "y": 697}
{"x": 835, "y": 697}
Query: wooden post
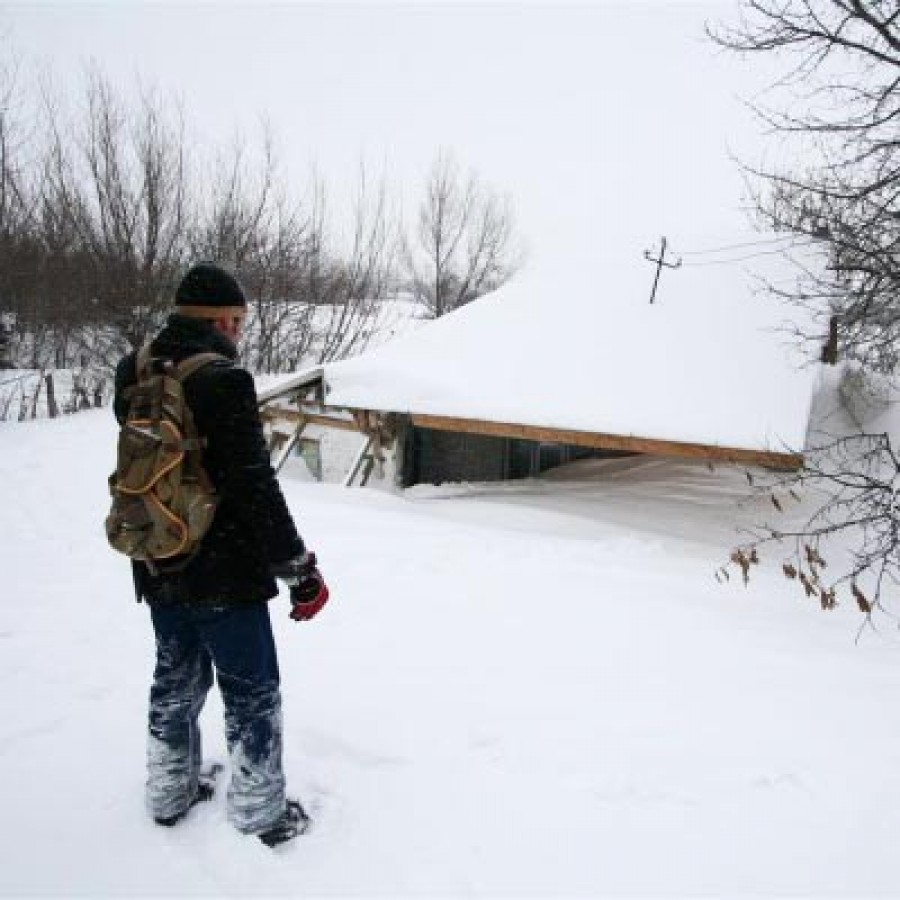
{"x": 7, "y": 327}
{"x": 358, "y": 463}
{"x": 52, "y": 408}
{"x": 36, "y": 396}
{"x": 288, "y": 448}
{"x": 830, "y": 350}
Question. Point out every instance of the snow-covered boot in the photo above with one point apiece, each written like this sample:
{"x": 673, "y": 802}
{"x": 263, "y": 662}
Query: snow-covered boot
{"x": 206, "y": 790}
{"x": 294, "y": 821}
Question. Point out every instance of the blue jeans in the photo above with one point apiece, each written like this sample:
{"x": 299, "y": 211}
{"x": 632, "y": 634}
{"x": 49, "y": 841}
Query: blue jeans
{"x": 237, "y": 640}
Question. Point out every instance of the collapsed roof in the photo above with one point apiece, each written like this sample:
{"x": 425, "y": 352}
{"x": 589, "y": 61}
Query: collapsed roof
{"x": 705, "y": 364}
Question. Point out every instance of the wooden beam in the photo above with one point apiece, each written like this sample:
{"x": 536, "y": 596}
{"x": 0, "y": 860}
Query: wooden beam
{"x": 358, "y": 463}
{"x": 292, "y": 415}
{"x": 288, "y": 448}
{"x": 329, "y": 421}
{"x": 600, "y": 441}
{"x": 274, "y": 413}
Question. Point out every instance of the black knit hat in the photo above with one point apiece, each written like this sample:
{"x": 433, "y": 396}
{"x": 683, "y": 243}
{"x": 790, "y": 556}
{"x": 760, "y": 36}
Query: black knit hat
{"x": 208, "y": 290}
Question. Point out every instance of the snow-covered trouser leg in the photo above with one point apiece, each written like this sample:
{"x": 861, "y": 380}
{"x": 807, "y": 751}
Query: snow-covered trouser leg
{"x": 244, "y": 655}
{"x": 182, "y": 678}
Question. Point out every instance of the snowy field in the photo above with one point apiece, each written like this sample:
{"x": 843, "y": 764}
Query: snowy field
{"x": 532, "y": 689}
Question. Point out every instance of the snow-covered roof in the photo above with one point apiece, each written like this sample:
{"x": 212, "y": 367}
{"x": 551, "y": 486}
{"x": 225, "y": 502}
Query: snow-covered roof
{"x": 271, "y": 386}
{"x": 706, "y": 363}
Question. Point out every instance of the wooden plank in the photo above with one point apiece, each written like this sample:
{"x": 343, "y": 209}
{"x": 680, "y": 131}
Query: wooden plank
{"x": 288, "y": 448}
{"x": 358, "y": 462}
{"x": 276, "y": 413}
{"x": 330, "y": 421}
{"x": 292, "y": 415}
{"x": 601, "y": 441}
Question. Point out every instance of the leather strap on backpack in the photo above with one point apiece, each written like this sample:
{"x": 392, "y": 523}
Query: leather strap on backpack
{"x": 182, "y": 372}
{"x": 188, "y": 366}
{"x": 142, "y": 362}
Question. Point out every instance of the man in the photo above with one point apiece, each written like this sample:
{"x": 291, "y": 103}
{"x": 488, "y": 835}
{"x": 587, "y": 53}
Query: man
{"x": 212, "y": 612}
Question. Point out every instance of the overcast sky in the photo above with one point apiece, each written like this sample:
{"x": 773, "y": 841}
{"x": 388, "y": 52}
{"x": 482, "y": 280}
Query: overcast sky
{"x": 608, "y": 123}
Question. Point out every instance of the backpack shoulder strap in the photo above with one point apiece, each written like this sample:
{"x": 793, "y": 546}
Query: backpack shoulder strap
{"x": 142, "y": 372}
{"x": 142, "y": 363}
{"x": 181, "y": 373}
{"x": 194, "y": 363}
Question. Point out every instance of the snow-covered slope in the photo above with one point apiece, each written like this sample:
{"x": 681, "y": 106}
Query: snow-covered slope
{"x": 534, "y": 688}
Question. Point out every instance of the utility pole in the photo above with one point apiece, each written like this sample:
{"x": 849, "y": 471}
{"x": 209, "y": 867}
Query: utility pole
{"x": 660, "y": 262}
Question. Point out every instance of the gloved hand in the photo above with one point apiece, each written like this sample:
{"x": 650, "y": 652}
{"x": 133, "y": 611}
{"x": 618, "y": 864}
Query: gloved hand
{"x": 309, "y": 593}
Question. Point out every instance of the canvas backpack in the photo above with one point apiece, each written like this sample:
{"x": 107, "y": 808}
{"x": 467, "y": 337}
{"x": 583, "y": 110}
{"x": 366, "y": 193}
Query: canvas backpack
{"x": 163, "y": 501}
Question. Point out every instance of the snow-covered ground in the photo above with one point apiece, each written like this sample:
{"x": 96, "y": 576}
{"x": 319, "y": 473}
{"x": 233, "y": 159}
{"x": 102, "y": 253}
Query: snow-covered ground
{"x": 530, "y": 689}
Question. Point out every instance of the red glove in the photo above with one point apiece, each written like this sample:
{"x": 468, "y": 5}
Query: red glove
{"x": 309, "y": 593}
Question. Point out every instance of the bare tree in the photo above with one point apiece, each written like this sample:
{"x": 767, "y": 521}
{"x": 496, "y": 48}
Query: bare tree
{"x": 282, "y": 324}
{"x": 18, "y": 250}
{"x": 137, "y": 206}
{"x": 14, "y": 204}
{"x": 854, "y": 479}
{"x": 269, "y": 239}
{"x": 312, "y": 297}
{"x": 362, "y": 278}
{"x": 99, "y": 219}
{"x": 839, "y": 113}
{"x": 109, "y": 210}
{"x": 64, "y": 296}
{"x": 841, "y": 97}
{"x": 237, "y": 231}
{"x": 464, "y": 245}
{"x": 240, "y": 205}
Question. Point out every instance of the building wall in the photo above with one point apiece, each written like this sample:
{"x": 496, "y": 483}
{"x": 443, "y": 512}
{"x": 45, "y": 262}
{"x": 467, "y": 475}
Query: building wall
{"x": 336, "y": 451}
{"x": 426, "y": 456}
{"x": 435, "y": 457}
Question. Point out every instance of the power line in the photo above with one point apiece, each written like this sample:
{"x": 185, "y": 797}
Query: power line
{"x": 737, "y": 259}
{"x": 767, "y": 242}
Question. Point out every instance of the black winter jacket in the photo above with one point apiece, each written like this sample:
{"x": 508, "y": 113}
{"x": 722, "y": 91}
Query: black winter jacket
{"x": 252, "y": 528}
